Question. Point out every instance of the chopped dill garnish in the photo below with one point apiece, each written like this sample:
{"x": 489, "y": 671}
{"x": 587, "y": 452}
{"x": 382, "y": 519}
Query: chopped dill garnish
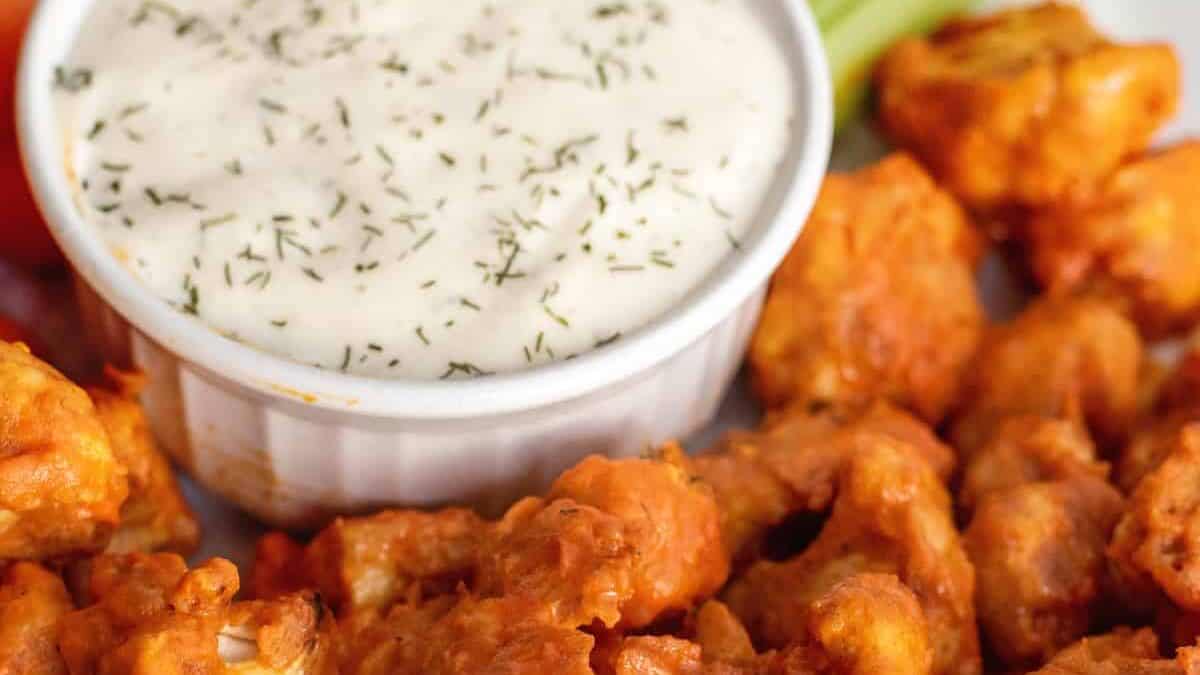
{"x": 608, "y": 340}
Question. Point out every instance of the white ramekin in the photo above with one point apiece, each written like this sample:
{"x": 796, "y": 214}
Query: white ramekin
{"x": 293, "y": 444}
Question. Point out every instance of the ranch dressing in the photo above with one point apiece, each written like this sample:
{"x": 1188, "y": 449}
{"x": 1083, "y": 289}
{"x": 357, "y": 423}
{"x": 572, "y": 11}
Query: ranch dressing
{"x": 423, "y": 189}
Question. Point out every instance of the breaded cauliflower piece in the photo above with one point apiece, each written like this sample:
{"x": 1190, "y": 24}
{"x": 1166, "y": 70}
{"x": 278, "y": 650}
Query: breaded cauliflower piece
{"x": 1123, "y": 651}
{"x": 149, "y": 614}
{"x": 373, "y": 561}
{"x": 1176, "y": 405}
{"x": 61, "y": 487}
{"x": 1029, "y": 449}
{"x": 1025, "y": 106}
{"x": 463, "y": 636}
{"x": 1133, "y": 240}
{"x": 892, "y": 515}
{"x": 32, "y": 601}
{"x": 619, "y": 541}
{"x": 760, "y": 478}
{"x": 1038, "y": 551}
{"x": 876, "y": 300}
{"x": 1156, "y": 546}
{"x": 867, "y": 624}
{"x": 1073, "y": 358}
{"x": 155, "y": 517}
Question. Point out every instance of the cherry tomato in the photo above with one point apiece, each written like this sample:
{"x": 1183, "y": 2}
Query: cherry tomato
{"x": 10, "y": 331}
{"x": 23, "y": 235}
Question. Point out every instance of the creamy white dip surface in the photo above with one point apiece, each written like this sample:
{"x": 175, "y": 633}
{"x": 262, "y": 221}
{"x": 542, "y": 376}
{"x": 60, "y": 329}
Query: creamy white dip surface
{"x": 421, "y": 189}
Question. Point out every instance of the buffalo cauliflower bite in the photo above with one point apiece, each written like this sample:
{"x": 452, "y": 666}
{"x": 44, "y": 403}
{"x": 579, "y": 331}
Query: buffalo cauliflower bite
{"x": 759, "y": 478}
{"x": 150, "y": 614}
{"x": 1155, "y": 546}
{"x": 865, "y": 625}
{"x": 61, "y": 487}
{"x": 892, "y": 515}
{"x": 1028, "y": 449}
{"x": 1175, "y": 405}
{"x": 875, "y": 300}
{"x": 1039, "y": 556}
{"x": 1134, "y": 240}
{"x": 1071, "y": 358}
{"x": 621, "y": 541}
{"x": 32, "y": 600}
{"x": 463, "y": 636}
{"x": 1024, "y": 106}
{"x": 155, "y": 517}
{"x": 1123, "y": 651}
{"x": 373, "y": 561}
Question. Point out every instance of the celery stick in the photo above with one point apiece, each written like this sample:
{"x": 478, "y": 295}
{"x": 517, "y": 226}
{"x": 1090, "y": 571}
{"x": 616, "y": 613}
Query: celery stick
{"x": 856, "y": 40}
{"x": 829, "y": 11}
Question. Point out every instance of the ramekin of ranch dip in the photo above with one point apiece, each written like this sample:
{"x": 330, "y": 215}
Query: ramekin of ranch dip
{"x": 403, "y": 252}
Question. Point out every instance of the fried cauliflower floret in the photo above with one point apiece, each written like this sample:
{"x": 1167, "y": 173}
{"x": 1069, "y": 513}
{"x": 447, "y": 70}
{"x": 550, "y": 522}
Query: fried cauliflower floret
{"x": 620, "y": 541}
{"x": 1124, "y": 651}
{"x": 61, "y": 487}
{"x": 1156, "y": 545}
{"x": 1024, "y": 106}
{"x": 575, "y": 558}
{"x": 1177, "y": 405}
{"x": 892, "y": 515}
{"x": 761, "y": 477}
{"x": 865, "y": 625}
{"x": 875, "y": 300}
{"x": 1038, "y": 551}
{"x": 32, "y": 600}
{"x": 1070, "y": 358}
{"x": 372, "y": 561}
{"x": 155, "y": 517}
{"x": 1029, "y": 449}
{"x": 720, "y": 634}
{"x": 1134, "y": 240}
{"x": 466, "y": 636}
{"x": 150, "y": 614}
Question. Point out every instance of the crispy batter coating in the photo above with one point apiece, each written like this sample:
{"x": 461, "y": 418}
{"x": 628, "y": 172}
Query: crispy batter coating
{"x": 1133, "y": 240}
{"x": 155, "y": 517}
{"x": 721, "y": 636}
{"x": 373, "y": 561}
{"x": 61, "y": 488}
{"x": 1177, "y": 405}
{"x": 1029, "y": 449}
{"x": 32, "y": 600}
{"x": 1157, "y": 542}
{"x": 1124, "y": 651}
{"x": 892, "y": 515}
{"x": 791, "y": 465}
{"x": 466, "y": 636}
{"x": 575, "y": 558}
{"x": 1026, "y": 105}
{"x": 1070, "y": 358}
{"x": 151, "y": 615}
{"x": 621, "y": 541}
{"x": 865, "y": 625}
{"x": 1038, "y": 551}
{"x": 875, "y": 300}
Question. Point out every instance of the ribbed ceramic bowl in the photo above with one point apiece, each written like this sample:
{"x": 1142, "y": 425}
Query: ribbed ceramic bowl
{"x": 293, "y": 444}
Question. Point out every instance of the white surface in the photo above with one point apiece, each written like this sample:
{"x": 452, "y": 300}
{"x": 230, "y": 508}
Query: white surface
{"x": 253, "y": 373}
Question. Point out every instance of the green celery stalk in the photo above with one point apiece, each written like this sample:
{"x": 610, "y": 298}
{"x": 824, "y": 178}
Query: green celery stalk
{"x": 860, "y": 31}
{"x": 828, "y": 11}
